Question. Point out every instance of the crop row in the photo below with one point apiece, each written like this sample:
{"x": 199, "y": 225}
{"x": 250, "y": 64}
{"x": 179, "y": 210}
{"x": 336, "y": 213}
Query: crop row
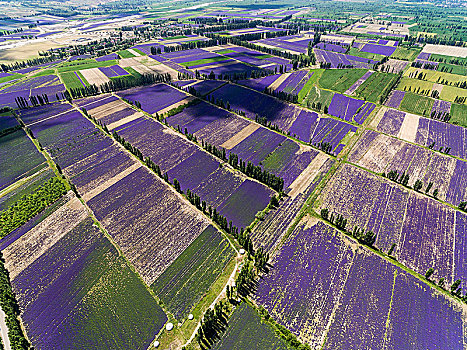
{"x": 74, "y": 290}
{"x": 437, "y": 135}
{"x": 286, "y": 117}
{"x": 335, "y": 297}
{"x": 422, "y": 229}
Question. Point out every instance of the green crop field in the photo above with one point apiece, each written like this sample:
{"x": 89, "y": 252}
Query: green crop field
{"x": 448, "y": 59}
{"x": 191, "y": 275}
{"x": 246, "y": 330}
{"x": 417, "y": 104}
{"x": 414, "y": 85}
{"x": 44, "y": 72}
{"x": 316, "y": 95}
{"x": 308, "y": 85}
{"x": 459, "y": 114}
{"x": 71, "y": 81}
{"x": 125, "y": 54}
{"x": 205, "y": 61}
{"x": 225, "y": 51}
{"x": 86, "y": 65}
{"x": 452, "y": 68}
{"x": 449, "y": 93}
{"x": 11, "y": 77}
{"x": 436, "y": 77}
{"x": 402, "y": 53}
{"x": 372, "y": 56}
{"x": 132, "y": 71}
{"x": 375, "y": 86}
{"x": 340, "y": 79}
{"x": 140, "y": 52}
{"x": 279, "y": 158}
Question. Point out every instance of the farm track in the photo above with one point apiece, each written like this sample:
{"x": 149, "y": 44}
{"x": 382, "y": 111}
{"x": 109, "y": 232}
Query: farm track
{"x": 4, "y": 331}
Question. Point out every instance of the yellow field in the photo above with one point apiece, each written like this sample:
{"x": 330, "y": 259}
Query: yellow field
{"x": 434, "y": 75}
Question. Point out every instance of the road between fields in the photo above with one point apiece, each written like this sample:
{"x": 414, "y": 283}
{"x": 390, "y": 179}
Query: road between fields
{"x": 4, "y": 331}
{"x": 221, "y": 294}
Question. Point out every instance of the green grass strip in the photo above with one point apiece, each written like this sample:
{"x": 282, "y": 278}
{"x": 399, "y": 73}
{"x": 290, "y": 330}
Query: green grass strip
{"x": 30, "y": 205}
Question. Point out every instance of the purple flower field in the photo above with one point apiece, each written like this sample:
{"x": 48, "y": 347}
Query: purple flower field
{"x": 429, "y": 131}
{"x": 112, "y": 56}
{"x": 154, "y": 98}
{"x": 395, "y": 98}
{"x": 285, "y": 116}
{"x": 113, "y": 71}
{"x": 292, "y": 81}
{"x": 259, "y": 84}
{"x": 378, "y": 49}
{"x": 344, "y": 107}
{"x": 424, "y": 56}
{"x": 322, "y": 275}
{"x": 338, "y": 60}
{"x": 421, "y": 228}
{"x": 441, "y": 106}
{"x": 331, "y": 47}
{"x": 81, "y": 278}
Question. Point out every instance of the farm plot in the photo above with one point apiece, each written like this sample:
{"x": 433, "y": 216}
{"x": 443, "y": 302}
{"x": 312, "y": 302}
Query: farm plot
{"x": 425, "y": 132}
{"x": 269, "y": 232}
{"x": 73, "y": 80}
{"x": 246, "y": 330}
{"x": 416, "y": 85}
{"x": 294, "y": 82}
{"x": 191, "y": 166}
{"x": 113, "y": 71}
{"x": 378, "y": 49}
{"x": 20, "y": 158}
{"x": 417, "y": 104}
{"x": 377, "y": 85}
{"x": 317, "y": 98}
{"x": 421, "y": 228}
{"x": 7, "y": 121}
{"x": 128, "y": 206}
{"x": 115, "y": 186}
{"x": 340, "y": 80}
{"x": 259, "y": 84}
{"x": 334, "y": 288}
{"x": 381, "y": 306}
{"x": 251, "y": 142}
{"x": 285, "y": 116}
{"x": 206, "y": 86}
{"x": 112, "y": 111}
{"x": 154, "y": 98}
{"x": 241, "y": 69}
{"x": 191, "y": 275}
{"x": 32, "y": 83}
{"x": 310, "y": 268}
{"x": 459, "y": 114}
{"x": 86, "y": 288}
{"x": 404, "y": 54}
{"x": 94, "y": 76}
{"x": 381, "y": 153}
{"x": 435, "y": 76}
{"x": 338, "y": 60}
{"x": 395, "y": 98}
{"x": 394, "y": 66}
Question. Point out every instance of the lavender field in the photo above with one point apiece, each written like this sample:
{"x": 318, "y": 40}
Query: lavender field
{"x": 233, "y": 175}
{"x": 422, "y": 228}
{"x": 319, "y": 281}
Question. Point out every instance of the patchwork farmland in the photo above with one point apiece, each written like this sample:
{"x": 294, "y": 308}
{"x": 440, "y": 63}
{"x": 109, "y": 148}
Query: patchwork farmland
{"x": 233, "y": 176}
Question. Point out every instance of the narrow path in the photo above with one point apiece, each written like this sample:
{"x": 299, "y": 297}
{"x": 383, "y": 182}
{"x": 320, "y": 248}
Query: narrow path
{"x": 4, "y": 331}
{"x": 229, "y": 283}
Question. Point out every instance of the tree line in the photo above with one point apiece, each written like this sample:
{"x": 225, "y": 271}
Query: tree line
{"x": 10, "y": 307}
